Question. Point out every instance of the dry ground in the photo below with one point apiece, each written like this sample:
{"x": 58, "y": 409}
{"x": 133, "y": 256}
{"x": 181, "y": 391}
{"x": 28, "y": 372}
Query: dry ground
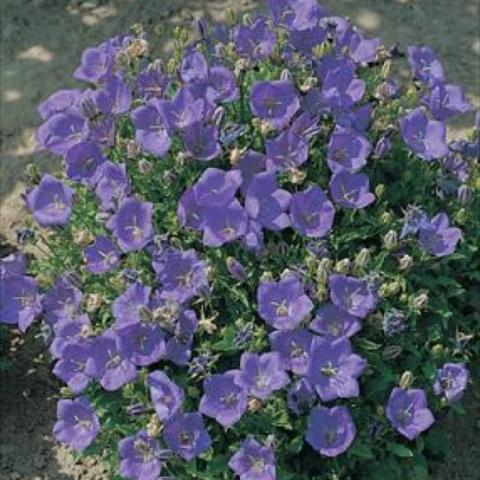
{"x": 41, "y": 43}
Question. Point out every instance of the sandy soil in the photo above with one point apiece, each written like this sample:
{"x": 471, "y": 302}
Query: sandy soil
{"x": 41, "y": 43}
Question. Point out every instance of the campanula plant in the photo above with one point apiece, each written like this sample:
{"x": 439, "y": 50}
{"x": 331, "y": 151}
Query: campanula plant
{"x": 255, "y": 263}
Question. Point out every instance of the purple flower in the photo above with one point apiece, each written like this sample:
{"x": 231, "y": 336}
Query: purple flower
{"x": 266, "y": 203}
{"x": 216, "y": 187}
{"x": 312, "y": 212}
{"x": 330, "y": 431}
{"x": 201, "y": 141}
{"x": 74, "y": 331}
{"x": 221, "y": 85}
{"x": 426, "y": 138}
{"x": 167, "y": 396}
{"x": 347, "y": 150}
{"x": 293, "y": 347}
{"x": 189, "y": 213}
{"x": 301, "y": 397}
{"x": 141, "y": 457}
{"x": 383, "y": 147}
{"x": 59, "y": 102}
{"x": 333, "y": 368}
{"x": 250, "y": 163}
{"x": 186, "y": 436}
{"x": 352, "y": 295}
{"x": 358, "y": 119}
{"x": 224, "y": 224}
{"x": 131, "y": 304}
{"x": 333, "y": 321}
{"x": 446, "y": 101}
{"x": 451, "y": 381}
{"x": 152, "y": 81}
{"x": 112, "y": 185}
{"x": 341, "y": 89}
{"x": 274, "y": 102}
{"x": 288, "y": 150}
{"x": 437, "y": 238}
{"x": 351, "y": 190}
{"x": 19, "y": 300}
{"x": 142, "y": 342}
{"x": 182, "y": 274}
{"x": 120, "y": 94}
{"x": 223, "y": 399}
{"x": 62, "y": 131}
{"x": 262, "y": 374}
{"x": 13, "y": 264}
{"x": 108, "y": 363}
{"x": 425, "y": 65}
{"x": 179, "y": 346}
{"x": 254, "y": 41}
{"x": 151, "y": 129}
{"x": 96, "y": 64}
{"x": 82, "y": 162}
{"x": 62, "y": 301}
{"x": 50, "y": 202}
{"x": 102, "y": 256}
{"x": 408, "y": 412}
{"x": 77, "y": 423}
{"x": 194, "y": 66}
{"x": 283, "y": 304}
{"x": 362, "y": 50}
{"x": 132, "y": 224}
{"x": 294, "y": 14}
{"x": 70, "y": 368}
{"x": 253, "y": 461}
{"x": 414, "y": 219}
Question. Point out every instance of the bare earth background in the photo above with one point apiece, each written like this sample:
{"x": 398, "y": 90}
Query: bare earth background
{"x": 41, "y": 43}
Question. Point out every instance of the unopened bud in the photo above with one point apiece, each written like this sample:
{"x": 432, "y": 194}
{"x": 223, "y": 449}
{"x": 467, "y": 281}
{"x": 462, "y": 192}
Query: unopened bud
{"x": 235, "y": 155}
{"x": 154, "y": 427}
{"x": 385, "y": 218}
{"x": 33, "y": 174}
{"x": 255, "y": 405}
{"x": 266, "y": 277}
{"x": 390, "y": 240}
{"x": 343, "y": 265}
{"x": 218, "y": 115}
{"x": 93, "y": 302}
{"x": 286, "y": 75}
{"x": 420, "y": 301}
{"x": 82, "y": 237}
{"x": 132, "y": 149}
{"x": 308, "y": 84}
{"x": 362, "y": 259}
{"x": 296, "y": 176}
{"x": 405, "y": 262}
{"x": 265, "y": 128}
{"x": 463, "y": 194}
{"x": 406, "y": 380}
{"x": 145, "y": 166}
{"x": 236, "y": 269}
{"x": 247, "y": 19}
{"x": 391, "y": 352}
{"x": 437, "y": 350}
{"x": 323, "y": 271}
{"x": 379, "y": 190}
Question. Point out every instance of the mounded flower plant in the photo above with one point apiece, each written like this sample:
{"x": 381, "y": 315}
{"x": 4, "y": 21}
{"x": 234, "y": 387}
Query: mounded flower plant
{"x": 254, "y": 263}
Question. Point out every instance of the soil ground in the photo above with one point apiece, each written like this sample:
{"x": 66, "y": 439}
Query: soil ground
{"x": 41, "y": 43}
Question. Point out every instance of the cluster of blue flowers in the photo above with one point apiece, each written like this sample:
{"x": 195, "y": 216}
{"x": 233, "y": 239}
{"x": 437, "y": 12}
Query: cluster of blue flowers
{"x": 258, "y": 134}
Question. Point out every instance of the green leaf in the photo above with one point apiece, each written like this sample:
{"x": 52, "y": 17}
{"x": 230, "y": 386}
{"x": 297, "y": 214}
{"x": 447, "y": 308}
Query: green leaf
{"x": 361, "y": 450}
{"x": 400, "y": 450}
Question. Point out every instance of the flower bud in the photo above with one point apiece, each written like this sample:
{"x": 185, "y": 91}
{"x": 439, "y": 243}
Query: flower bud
{"x": 437, "y": 350}
{"x": 296, "y": 176}
{"x": 102, "y": 217}
{"x": 241, "y": 66}
{"x": 235, "y": 155}
{"x": 385, "y": 218}
{"x": 379, "y": 190}
{"x": 93, "y": 302}
{"x": 321, "y": 294}
{"x": 405, "y": 262}
{"x": 145, "y": 166}
{"x": 200, "y": 27}
{"x": 391, "y": 352}
{"x": 265, "y": 128}
{"x": 362, "y": 259}
{"x": 323, "y": 271}
{"x": 420, "y": 301}
{"x": 247, "y": 19}
{"x": 382, "y": 147}
{"x": 236, "y": 269}
{"x": 390, "y": 240}
{"x": 308, "y": 84}
{"x": 218, "y": 115}
{"x": 255, "y": 405}
{"x": 286, "y": 75}
{"x": 266, "y": 277}
{"x": 82, "y": 237}
{"x": 406, "y": 380}
{"x": 463, "y": 194}
{"x": 132, "y": 149}
{"x": 154, "y": 427}
{"x": 33, "y": 174}
{"x": 343, "y": 265}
